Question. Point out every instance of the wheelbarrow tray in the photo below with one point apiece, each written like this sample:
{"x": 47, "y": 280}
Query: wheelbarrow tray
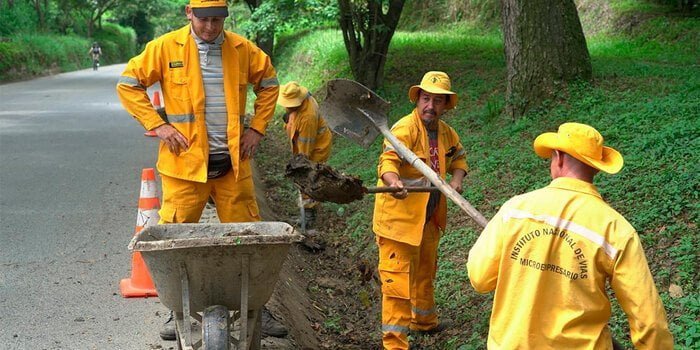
{"x": 213, "y": 257}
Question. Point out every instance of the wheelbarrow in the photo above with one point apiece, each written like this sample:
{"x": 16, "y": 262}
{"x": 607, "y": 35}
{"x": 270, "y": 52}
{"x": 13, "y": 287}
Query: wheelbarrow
{"x": 356, "y": 112}
{"x": 206, "y": 271}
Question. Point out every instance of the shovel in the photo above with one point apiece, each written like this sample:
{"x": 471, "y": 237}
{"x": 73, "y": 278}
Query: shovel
{"x": 324, "y": 184}
{"x": 354, "y": 111}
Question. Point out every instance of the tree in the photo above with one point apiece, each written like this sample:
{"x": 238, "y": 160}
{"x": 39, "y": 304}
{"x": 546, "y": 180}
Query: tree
{"x": 269, "y": 18}
{"x": 40, "y": 8}
{"x": 368, "y": 26}
{"x": 544, "y": 48}
{"x": 265, "y": 35}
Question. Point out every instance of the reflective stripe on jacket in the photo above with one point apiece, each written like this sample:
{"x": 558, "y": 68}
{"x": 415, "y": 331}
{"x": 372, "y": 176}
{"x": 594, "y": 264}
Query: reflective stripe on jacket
{"x": 173, "y": 60}
{"x": 548, "y": 255}
{"x": 308, "y": 132}
{"x": 403, "y": 219}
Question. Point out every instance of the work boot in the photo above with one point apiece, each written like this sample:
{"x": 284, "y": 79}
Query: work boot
{"x": 271, "y": 327}
{"x": 443, "y": 325}
{"x": 168, "y": 330}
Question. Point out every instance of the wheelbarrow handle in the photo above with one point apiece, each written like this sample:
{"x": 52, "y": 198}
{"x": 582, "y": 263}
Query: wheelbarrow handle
{"x": 387, "y": 189}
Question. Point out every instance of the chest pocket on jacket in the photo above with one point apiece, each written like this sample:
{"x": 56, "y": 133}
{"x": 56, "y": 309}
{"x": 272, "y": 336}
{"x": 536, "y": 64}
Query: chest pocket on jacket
{"x": 178, "y": 85}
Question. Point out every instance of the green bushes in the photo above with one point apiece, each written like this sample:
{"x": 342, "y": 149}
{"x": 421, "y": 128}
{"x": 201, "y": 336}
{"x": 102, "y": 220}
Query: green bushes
{"x": 118, "y": 43}
{"x": 16, "y": 18}
{"x": 26, "y": 55}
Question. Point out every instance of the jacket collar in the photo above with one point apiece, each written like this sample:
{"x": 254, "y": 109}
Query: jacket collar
{"x": 200, "y": 42}
{"x": 183, "y": 34}
{"x": 571, "y": 184}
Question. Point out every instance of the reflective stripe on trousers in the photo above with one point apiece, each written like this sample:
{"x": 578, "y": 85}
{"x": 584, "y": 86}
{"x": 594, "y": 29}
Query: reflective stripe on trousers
{"x": 407, "y": 273}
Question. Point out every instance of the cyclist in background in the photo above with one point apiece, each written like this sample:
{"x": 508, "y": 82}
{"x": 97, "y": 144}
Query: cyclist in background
{"x": 95, "y": 52}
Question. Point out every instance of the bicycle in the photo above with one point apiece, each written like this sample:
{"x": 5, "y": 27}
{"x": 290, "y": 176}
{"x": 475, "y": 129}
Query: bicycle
{"x": 95, "y": 62}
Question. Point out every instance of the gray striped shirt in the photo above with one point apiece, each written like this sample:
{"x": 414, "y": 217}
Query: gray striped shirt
{"x": 214, "y": 100}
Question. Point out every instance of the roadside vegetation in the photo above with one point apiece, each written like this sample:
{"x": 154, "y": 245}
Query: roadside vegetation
{"x": 644, "y": 98}
{"x": 48, "y": 37}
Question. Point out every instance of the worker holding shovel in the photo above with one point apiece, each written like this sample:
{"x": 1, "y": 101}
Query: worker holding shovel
{"x": 408, "y": 225}
{"x": 308, "y": 134}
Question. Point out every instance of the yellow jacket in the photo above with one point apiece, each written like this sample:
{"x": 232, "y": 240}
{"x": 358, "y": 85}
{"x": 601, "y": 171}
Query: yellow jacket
{"x": 308, "y": 132}
{"x": 173, "y": 60}
{"x": 403, "y": 219}
{"x": 548, "y": 255}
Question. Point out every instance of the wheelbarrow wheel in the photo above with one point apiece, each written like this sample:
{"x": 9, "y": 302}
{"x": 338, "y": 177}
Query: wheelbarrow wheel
{"x": 215, "y": 328}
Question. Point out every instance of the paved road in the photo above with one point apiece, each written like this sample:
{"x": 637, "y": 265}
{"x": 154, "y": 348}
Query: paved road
{"x": 70, "y": 165}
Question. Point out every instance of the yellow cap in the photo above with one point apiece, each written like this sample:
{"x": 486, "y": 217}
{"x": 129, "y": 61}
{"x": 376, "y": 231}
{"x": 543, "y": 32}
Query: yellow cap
{"x": 435, "y": 83}
{"x": 582, "y": 142}
{"x": 209, "y": 8}
{"x": 292, "y": 94}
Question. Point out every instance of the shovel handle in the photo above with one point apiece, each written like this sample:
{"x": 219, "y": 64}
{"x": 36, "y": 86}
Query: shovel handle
{"x": 387, "y": 189}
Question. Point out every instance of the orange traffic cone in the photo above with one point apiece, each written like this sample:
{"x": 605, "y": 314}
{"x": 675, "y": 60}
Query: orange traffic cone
{"x": 140, "y": 284}
{"x": 156, "y": 104}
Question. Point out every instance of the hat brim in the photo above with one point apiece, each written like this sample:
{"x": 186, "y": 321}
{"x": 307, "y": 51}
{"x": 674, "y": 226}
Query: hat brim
{"x": 415, "y": 89}
{"x": 610, "y": 163}
{"x": 202, "y": 12}
{"x": 293, "y": 102}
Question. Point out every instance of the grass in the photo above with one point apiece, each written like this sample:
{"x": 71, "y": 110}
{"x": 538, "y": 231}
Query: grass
{"x": 644, "y": 98}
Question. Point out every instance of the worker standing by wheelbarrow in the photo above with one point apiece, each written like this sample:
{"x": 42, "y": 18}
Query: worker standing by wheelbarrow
{"x": 408, "y": 225}
{"x": 205, "y": 150}
{"x": 308, "y": 134}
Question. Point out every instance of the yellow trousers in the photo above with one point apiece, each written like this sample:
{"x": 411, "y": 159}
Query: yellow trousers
{"x": 184, "y": 201}
{"x": 407, "y": 273}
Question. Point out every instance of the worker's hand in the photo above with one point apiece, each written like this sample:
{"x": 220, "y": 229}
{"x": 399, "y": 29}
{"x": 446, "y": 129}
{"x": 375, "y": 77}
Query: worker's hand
{"x": 174, "y": 139}
{"x": 393, "y": 180}
{"x": 288, "y": 116}
{"x": 456, "y": 185}
{"x": 456, "y": 181}
{"x": 249, "y": 143}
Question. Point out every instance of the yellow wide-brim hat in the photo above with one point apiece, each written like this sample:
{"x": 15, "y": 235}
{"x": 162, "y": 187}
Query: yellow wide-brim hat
{"x": 292, "y": 94}
{"x": 434, "y": 82}
{"x": 209, "y": 8}
{"x": 582, "y": 142}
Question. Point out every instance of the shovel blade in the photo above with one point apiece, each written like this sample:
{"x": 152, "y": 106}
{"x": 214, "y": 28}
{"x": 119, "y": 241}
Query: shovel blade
{"x": 347, "y": 105}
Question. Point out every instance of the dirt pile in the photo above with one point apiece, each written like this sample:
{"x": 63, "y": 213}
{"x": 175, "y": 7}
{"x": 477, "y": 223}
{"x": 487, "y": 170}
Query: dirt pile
{"x": 322, "y": 183}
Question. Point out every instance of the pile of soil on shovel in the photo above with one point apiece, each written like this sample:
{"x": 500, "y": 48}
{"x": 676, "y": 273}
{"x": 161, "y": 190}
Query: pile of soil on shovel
{"x": 322, "y": 183}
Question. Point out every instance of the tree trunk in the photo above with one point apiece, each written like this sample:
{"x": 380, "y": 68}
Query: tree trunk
{"x": 39, "y": 14}
{"x": 367, "y": 33}
{"x": 90, "y": 28}
{"x": 544, "y": 48}
{"x": 264, "y": 40}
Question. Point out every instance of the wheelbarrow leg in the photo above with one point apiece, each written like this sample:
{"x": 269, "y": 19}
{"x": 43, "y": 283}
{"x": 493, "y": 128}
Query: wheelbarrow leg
{"x": 245, "y": 274}
{"x": 179, "y": 330}
{"x": 251, "y": 322}
{"x": 255, "y": 323}
{"x": 183, "y": 319}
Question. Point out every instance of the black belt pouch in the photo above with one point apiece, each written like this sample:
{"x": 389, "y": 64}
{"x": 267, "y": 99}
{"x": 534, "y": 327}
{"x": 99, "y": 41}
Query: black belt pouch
{"x": 219, "y": 165}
